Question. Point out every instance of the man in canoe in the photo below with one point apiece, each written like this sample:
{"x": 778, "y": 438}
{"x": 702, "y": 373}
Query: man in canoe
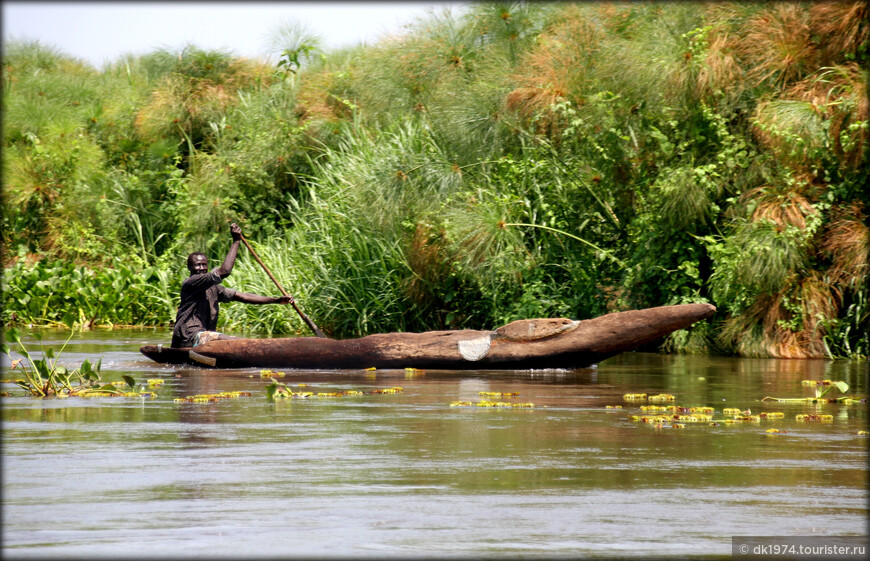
{"x": 202, "y": 293}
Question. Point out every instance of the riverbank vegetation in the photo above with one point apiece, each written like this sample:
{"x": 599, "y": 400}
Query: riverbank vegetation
{"x": 516, "y": 160}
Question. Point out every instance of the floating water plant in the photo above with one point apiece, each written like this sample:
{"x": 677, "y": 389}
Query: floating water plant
{"x": 498, "y": 394}
{"x": 114, "y": 390}
{"x": 277, "y": 390}
{"x": 822, "y": 387}
{"x": 743, "y": 419}
{"x": 211, "y": 397}
{"x": 502, "y": 404}
{"x": 485, "y": 403}
{"x": 813, "y": 383}
{"x": 643, "y": 397}
{"x": 654, "y": 408}
{"x": 775, "y": 431}
{"x": 46, "y": 378}
{"x": 614, "y": 407}
{"x": 704, "y": 414}
{"x": 706, "y": 410}
{"x": 814, "y": 418}
{"x": 737, "y": 413}
{"x": 271, "y": 374}
{"x": 395, "y": 389}
{"x": 676, "y": 416}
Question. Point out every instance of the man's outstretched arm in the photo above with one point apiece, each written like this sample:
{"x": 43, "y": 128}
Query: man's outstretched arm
{"x": 227, "y": 266}
{"x": 248, "y": 298}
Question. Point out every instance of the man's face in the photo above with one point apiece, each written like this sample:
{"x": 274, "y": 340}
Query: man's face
{"x": 198, "y": 264}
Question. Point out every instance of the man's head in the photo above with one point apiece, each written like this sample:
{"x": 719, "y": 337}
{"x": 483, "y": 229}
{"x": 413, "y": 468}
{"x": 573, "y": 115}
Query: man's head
{"x": 197, "y": 263}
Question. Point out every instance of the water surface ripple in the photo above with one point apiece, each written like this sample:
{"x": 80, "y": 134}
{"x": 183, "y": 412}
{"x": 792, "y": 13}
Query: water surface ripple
{"x": 407, "y": 475}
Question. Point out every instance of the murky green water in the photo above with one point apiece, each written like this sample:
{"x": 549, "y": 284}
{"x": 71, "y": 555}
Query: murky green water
{"x": 406, "y": 475}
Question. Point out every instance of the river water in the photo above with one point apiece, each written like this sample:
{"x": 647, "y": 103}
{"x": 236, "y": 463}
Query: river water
{"x": 406, "y": 475}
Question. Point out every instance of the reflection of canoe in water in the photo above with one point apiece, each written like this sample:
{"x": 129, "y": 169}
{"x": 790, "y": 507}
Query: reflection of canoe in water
{"x": 523, "y": 344}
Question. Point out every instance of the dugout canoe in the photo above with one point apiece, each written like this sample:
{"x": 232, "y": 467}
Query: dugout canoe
{"x": 519, "y": 345}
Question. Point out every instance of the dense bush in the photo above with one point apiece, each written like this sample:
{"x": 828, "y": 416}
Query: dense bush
{"x": 519, "y": 160}
{"x": 51, "y": 293}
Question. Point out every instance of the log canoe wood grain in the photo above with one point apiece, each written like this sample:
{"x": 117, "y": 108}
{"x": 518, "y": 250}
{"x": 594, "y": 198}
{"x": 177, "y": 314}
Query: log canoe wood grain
{"x": 527, "y": 344}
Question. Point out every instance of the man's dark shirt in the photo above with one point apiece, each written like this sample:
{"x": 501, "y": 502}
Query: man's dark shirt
{"x": 198, "y": 309}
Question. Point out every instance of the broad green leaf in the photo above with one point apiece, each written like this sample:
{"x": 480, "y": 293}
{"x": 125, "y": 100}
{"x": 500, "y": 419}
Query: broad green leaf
{"x": 68, "y": 320}
{"x": 41, "y": 369}
{"x": 129, "y": 381}
{"x": 273, "y": 388}
{"x": 12, "y": 334}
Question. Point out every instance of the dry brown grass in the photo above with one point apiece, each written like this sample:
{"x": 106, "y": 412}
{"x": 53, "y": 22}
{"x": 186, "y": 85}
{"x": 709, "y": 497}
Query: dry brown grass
{"x": 842, "y": 27}
{"x": 847, "y": 243}
{"x": 557, "y": 67}
{"x": 817, "y": 301}
{"x": 164, "y": 105}
{"x": 776, "y": 44}
{"x": 787, "y": 324}
{"x": 529, "y": 100}
{"x": 314, "y": 102}
{"x": 784, "y": 204}
{"x": 851, "y": 107}
{"x": 743, "y": 333}
{"x": 820, "y": 301}
{"x": 720, "y": 71}
{"x": 188, "y": 103}
{"x": 839, "y": 94}
{"x": 616, "y": 17}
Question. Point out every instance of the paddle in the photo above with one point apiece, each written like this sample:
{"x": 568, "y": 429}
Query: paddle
{"x": 305, "y": 318}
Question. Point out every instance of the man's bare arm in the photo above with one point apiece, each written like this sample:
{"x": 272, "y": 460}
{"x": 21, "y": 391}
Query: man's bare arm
{"x": 248, "y": 298}
{"x": 227, "y": 266}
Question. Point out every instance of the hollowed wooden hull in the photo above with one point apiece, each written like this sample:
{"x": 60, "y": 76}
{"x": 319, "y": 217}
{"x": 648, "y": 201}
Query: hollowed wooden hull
{"x": 566, "y": 345}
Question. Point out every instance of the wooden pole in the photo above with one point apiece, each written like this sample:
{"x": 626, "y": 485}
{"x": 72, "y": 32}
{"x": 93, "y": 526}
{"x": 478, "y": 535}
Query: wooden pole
{"x": 305, "y": 318}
